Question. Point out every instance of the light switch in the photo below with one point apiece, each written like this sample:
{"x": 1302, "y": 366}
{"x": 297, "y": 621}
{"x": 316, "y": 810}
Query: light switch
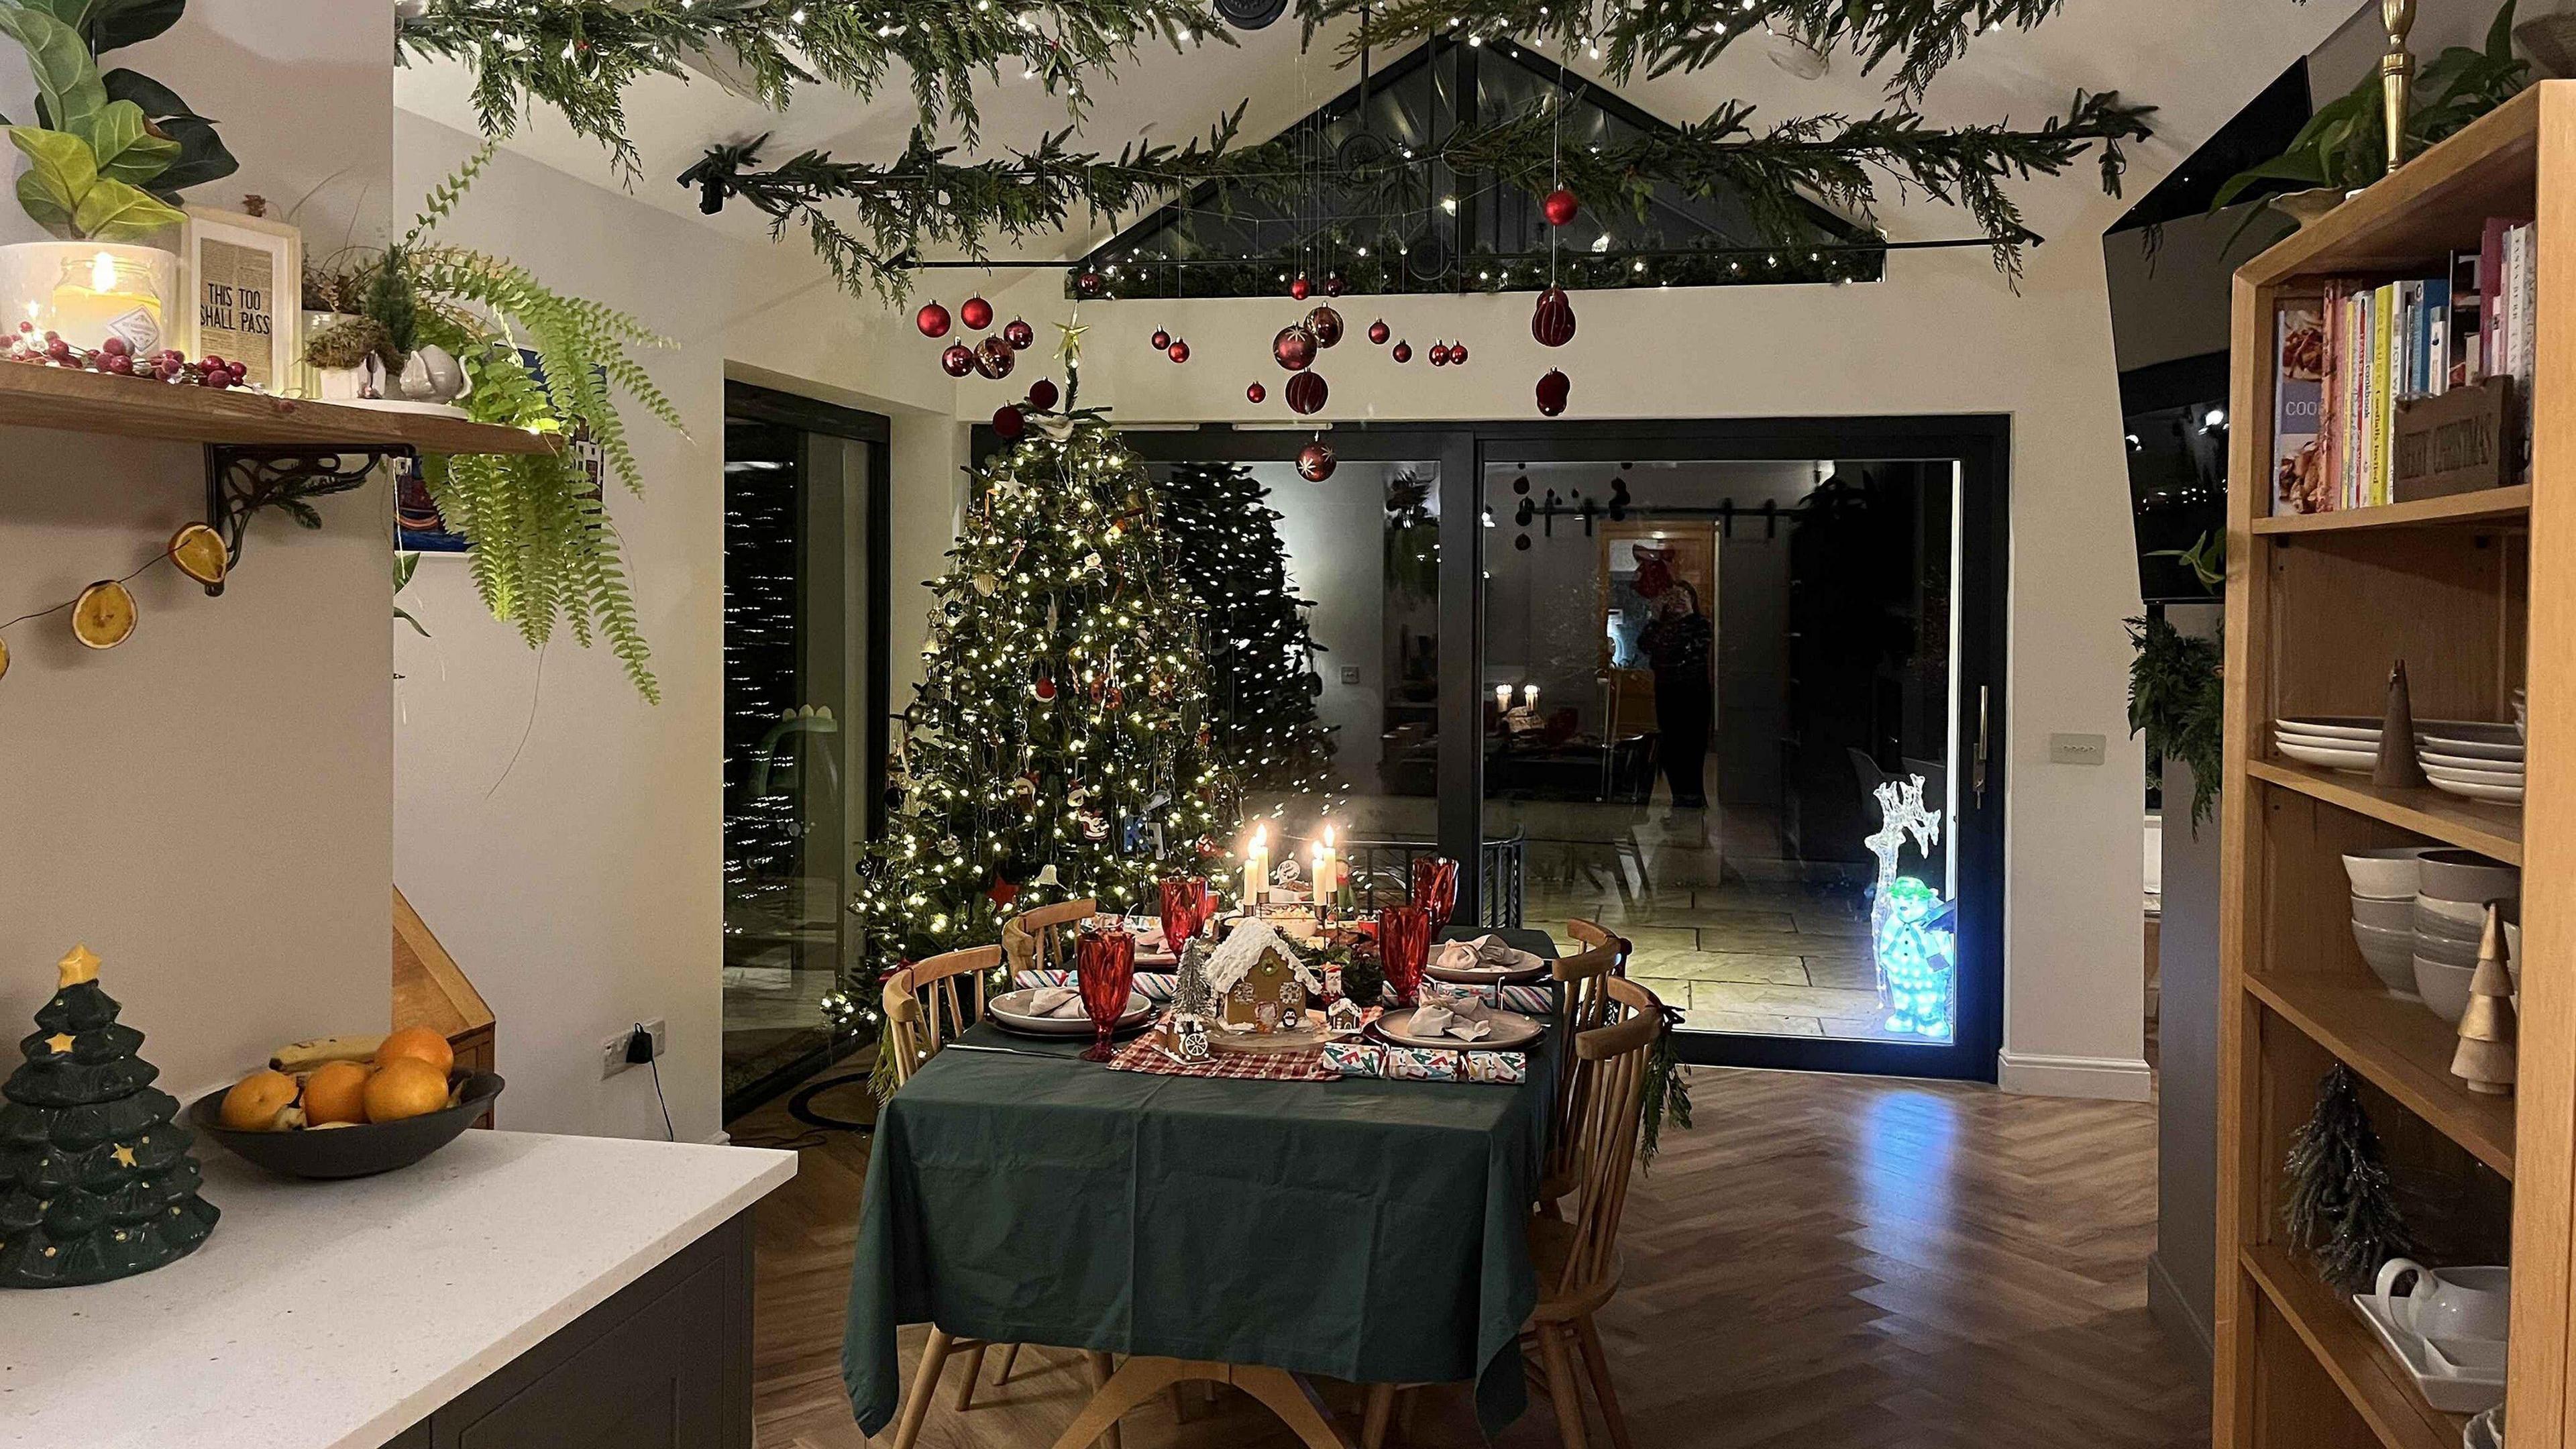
{"x": 1350, "y": 674}
{"x": 2076, "y": 749}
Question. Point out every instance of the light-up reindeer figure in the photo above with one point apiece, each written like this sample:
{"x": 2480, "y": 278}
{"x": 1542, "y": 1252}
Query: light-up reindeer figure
{"x": 1916, "y": 957}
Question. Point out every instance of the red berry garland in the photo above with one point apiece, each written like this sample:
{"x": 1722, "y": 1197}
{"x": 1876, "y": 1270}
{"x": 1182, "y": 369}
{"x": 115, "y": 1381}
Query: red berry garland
{"x": 117, "y": 358}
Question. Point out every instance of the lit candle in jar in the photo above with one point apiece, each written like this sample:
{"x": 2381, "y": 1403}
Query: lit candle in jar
{"x": 1529, "y": 697}
{"x": 1503, "y": 697}
{"x": 1256, "y": 867}
{"x": 87, "y": 294}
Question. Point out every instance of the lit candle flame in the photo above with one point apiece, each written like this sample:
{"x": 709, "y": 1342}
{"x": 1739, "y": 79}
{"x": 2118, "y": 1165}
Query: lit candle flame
{"x": 102, "y": 273}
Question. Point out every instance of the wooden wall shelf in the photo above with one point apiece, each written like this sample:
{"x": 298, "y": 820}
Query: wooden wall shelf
{"x": 2401, "y": 1048}
{"x": 2486, "y": 506}
{"x": 2345, "y": 1347}
{"x": 89, "y": 402}
{"x": 2492, "y": 830}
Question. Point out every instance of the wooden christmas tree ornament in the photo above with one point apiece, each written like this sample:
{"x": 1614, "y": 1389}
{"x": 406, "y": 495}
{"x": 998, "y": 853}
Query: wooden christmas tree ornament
{"x": 2485, "y": 1060}
{"x": 2397, "y": 765}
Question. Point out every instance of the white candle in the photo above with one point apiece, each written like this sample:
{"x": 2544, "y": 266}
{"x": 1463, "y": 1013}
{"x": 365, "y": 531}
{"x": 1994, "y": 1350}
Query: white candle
{"x": 1256, "y": 868}
{"x": 1529, "y": 696}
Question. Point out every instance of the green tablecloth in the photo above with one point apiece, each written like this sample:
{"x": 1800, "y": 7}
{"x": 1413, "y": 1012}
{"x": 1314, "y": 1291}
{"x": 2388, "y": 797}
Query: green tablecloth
{"x": 1370, "y": 1231}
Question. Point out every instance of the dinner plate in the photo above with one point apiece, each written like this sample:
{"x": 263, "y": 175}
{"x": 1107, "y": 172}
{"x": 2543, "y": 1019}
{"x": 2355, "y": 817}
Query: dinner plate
{"x": 1488, "y": 976}
{"x": 2497, "y": 742}
{"x": 2481, "y": 775}
{"x": 2432, "y": 757}
{"x": 2357, "y": 761}
{"x": 1009, "y": 1012}
{"x": 1512, "y": 1031}
{"x": 2331, "y": 727}
{"x": 2501, "y": 794}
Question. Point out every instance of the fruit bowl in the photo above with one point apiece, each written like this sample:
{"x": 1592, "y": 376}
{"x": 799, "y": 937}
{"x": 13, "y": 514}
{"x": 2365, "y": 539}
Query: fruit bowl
{"x": 358, "y": 1151}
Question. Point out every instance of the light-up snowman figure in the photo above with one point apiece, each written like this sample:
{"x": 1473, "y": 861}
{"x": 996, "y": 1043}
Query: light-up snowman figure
{"x": 1916, "y": 952}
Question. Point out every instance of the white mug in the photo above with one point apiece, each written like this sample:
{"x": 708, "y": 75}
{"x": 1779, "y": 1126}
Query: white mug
{"x": 2454, "y": 1303}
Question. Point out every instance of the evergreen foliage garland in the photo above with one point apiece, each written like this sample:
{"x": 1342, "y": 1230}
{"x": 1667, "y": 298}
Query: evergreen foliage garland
{"x": 1223, "y": 539}
{"x": 2342, "y": 1207}
{"x": 1059, "y": 746}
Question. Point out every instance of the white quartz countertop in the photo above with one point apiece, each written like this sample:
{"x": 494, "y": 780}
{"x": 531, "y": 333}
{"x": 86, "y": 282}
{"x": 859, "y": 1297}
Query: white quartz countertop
{"x": 336, "y": 1315}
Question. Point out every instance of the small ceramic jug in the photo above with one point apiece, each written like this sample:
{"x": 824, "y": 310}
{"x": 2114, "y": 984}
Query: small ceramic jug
{"x": 2448, "y": 1303}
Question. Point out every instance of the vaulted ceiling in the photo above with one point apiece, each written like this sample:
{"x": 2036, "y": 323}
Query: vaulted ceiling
{"x": 2198, "y": 60}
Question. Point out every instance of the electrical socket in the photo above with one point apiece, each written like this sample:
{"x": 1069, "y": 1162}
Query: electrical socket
{"x": 1350, "y": 674}
{"x": 2077, "y": 749}
{"x": 612, "y": 1052}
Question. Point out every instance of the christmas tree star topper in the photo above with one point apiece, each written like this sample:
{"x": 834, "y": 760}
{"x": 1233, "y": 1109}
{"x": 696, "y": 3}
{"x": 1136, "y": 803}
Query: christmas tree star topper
{"x": 78, "y": 965}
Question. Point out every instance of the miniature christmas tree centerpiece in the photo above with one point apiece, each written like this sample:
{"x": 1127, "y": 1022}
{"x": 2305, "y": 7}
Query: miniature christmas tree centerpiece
{"x": 96, "y": 1180}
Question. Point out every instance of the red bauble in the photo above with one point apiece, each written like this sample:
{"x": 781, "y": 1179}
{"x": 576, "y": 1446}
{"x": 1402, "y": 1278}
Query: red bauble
{"x": 1553, "y": 390}
{"x": 1439, "y": 354}
{"x": 1256, "y": 393}
{"x": 994, "y": 358}
{"x": 1301, "y": 289}
{"x": 1306, "y": 393}
{"x": 1552, "y": 321}
{"x": 1457, "y": 354}
{"x": 1315, "y": 462}
{"x": 1009, "y": 422}
{"x": 1294, "y": 347}
{"x": 1089, "y": 284}
{"x": 1379, "y": 332}
{"x": 1161, "y": 339}
{"x": 1046, "y": 689}
{"x": 1042, "y": 394}
{"x": 958, "y": 360}
{"x": 1403, "y": 352}
{"x": 1020, "y": 335}
{"x": 1179, "y": 351}
{"x": 1333, "y": 285}
{"x": 976, "y": 313}
{"x": 932, "y": 319}
{"x": 1560, "y": 206}
{"x": 1326, "y": 324}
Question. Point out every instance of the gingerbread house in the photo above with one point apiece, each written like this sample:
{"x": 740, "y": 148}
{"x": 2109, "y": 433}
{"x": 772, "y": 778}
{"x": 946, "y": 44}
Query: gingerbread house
{"x": 1259, "y": 980}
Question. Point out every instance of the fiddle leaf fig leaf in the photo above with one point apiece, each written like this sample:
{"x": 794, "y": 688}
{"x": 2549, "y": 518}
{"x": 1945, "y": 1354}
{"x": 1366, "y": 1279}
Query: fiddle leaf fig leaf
{"x": 115, "y": 211}
{"x": 68, "y": 90}
{"x": 116, "y": 23}
{"x": 126, "y": 149}
{"x": 62, "y": 171}
{"x": 201, "y": 156}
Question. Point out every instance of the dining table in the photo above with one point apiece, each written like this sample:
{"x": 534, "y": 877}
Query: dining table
{"x": 1367, "y": 1230}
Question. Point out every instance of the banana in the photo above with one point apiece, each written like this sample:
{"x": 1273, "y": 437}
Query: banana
{"x": 304, "y": 1056}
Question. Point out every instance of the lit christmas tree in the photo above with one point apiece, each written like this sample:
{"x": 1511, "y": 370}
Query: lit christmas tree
{"x": 1058, "y": 747}
{"x": 1261, "y": 680}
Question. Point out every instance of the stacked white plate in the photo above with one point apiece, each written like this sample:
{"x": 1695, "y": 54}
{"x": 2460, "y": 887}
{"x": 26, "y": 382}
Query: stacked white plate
{"x": 2336, "y": 742}
{"x": 2521, "y": 715}
{"x": 2477, "y": 761}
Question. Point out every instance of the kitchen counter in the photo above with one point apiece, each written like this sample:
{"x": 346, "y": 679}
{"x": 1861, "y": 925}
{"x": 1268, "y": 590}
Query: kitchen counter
{"x": 339, "y": 1315}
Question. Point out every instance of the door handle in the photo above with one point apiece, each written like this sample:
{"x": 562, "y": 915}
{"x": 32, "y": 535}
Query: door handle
{"x": 1977, "y": 766}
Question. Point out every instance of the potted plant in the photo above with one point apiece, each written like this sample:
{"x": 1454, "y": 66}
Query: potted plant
{"x": 108, "y": 154}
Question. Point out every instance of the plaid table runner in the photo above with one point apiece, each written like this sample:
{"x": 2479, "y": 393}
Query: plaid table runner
{"x": 1146, "y": 1054}
{"x": 1156, "y": 987}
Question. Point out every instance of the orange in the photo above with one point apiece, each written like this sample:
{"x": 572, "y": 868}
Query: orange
{"x": 264, "y": 1101}
{"x": 336, "y": 1092}
{"x": 405, "y": 1087}
{"x": 420, "y": 1044}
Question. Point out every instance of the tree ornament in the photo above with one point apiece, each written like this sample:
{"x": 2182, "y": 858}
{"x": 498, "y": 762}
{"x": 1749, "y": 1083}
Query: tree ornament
{"x": 1554, "y": 390}
{"x": 1294, "y": 347}
{"x": 1561, "y": 205}
{"x": 1301, "y": 289}
{"x": 1378, "y": 332}
{"x": 1403, "y": 352}
{"x": 2484, "y": 1062}
{"x": 1002, "y": 891}
{"x": 1306, "y": 393}
{"x": 994, "y": 357}
{"x": 1161, "y": 339}
{"x": 1089, "y": 285}
{"x": 1009, "y": 422}
{"x": 1315, "y": 462}
{"x": 104, "y": 615}
{"x": 1333, "y": 285}
{"x": 1179, "y": 350}
{"x": 932, "y": 319}
{"x": 1439, "y": 354}
{"x": 2341, "y": 1205}
{"x": 1043, "y": 395}
{"x": 1020, "y": 335}
{"x": 96, "y": 1179}
{"x": 976, "y": 313}
{"x": 1326, "y": 325}
{"x": 1044, "y": 688}
{"x": 958, "y": 360}
{"x": 1552, "y": 320}
{"x": 1457, "y": 354}
{"x": 1256, "y": 393}
{"x": 199, "y": 552}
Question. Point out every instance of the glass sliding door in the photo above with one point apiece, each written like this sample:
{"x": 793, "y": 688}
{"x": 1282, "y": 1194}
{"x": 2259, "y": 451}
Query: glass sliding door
{"x": 804, "y": 734}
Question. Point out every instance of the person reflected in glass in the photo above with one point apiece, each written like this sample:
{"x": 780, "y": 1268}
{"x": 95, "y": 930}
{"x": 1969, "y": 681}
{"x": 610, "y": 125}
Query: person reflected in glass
{"x": 1676, "y": 643}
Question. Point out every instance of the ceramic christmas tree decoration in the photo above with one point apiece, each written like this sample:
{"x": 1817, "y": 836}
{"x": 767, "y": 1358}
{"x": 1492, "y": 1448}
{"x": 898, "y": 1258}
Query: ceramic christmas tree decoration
{"x": 2397, "y": 765}
{"x": 96, "y": 1180}
{"x": 2485, "y": 1061}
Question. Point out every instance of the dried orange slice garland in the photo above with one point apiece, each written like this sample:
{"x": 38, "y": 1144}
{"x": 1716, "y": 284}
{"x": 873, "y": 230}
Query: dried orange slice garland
{"x": 105, "y": 614}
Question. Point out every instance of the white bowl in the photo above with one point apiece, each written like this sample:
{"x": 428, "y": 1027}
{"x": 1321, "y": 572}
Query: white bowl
{"x": 2391, "y": 955}
{"x": 2445, "y": 949}
{"x": 2445, "y": 989}
{"x": 2388, "y": 915}
{"x": 2393, "y": 874}
{"x": 2331, "y": 727}
{"x": 2359, "y": 762}
{"x": 2465, "y": 875}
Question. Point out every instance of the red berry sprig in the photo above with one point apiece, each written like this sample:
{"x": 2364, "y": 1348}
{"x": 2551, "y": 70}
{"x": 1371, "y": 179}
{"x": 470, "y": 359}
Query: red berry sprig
{"x": 117, "y": 358}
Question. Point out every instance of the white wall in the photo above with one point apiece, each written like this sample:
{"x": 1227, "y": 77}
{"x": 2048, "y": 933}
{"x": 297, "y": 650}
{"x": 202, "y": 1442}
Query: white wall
{"x": 208, "y": 805}
{"x": 561, "y": 835}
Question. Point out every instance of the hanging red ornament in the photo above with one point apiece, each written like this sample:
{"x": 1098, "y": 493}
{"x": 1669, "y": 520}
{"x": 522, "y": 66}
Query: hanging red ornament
{"x": 1306, "y": 393}
{"x": 1326, "y": 324}
{"x": 1333, "y": 285}
{"x": 1301, "y": 289}
{"x": 1439, "y": 354}
{"x": 1042, "y": 394}
{"x": 1179, "y": 351}
{"x": 1378, "y": 332}
{"x": 1020, "y": 335}
{"x": 1009, "y": 423}
{"x": 976, "y": 313}
{"x": 994, "y": 358}
{"x": 1553, "y": 390}
{"x": 1315, "y": 462}
{"x": 1161, "y": 339}
{"x": 1294, "y": 347}
{"x": 958, "y": 360}
{"x": 932, "y": 319}
{"x": 1089, "y": 284}
{"x": 1552, "y": 321}
{"x": 1457, "y": 354}
{"x": 1561, "y": 206}
{"x": 1256, "y": 393}
{"x": 1403, "y": 352}
{"x": 1044, "y": 688}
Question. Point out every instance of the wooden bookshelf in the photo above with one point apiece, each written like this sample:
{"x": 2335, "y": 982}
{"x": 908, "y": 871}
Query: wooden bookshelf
{"x": 2478, "y": 593}
{"x": 90, "y": 402}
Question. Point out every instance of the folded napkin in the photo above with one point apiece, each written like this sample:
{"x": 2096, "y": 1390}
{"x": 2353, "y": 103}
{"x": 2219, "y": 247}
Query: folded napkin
{"x": 1433, "y": 1021}
{"x": 1055, "y": 1001}
{"x": 1485, "y": 953}
{"x": 1467, "y": 1003}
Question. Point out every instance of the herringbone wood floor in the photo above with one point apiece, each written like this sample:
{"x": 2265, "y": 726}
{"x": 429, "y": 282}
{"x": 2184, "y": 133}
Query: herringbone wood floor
{"x": 1825, "y": 1261}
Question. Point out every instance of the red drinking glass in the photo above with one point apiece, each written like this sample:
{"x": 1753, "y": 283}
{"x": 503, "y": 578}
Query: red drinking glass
{"x": 1435, "y": 888}
{"x": 1404, "y": 944}
{"x": 1179, "y": 908}
{"x": 1104, "y": 964}
{"x": 1205, "y": 907}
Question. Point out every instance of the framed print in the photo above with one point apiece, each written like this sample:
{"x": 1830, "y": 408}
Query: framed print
{"x": 245, "y": 278}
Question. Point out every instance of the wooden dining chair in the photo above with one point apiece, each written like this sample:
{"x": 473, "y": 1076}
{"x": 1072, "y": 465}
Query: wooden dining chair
{"x": 924, "y": 1011}
{"x": 1583, "y": 1003}
{"x": 1035, "y": 939}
